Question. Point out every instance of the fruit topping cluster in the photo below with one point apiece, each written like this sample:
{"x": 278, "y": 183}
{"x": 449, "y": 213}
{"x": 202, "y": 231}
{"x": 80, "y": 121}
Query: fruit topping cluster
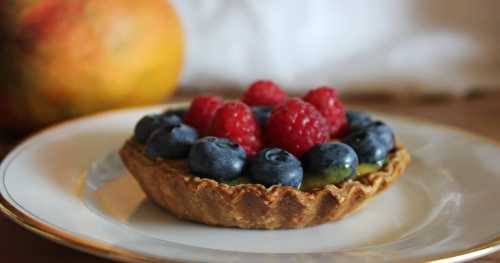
{"x": 269, "y": 138}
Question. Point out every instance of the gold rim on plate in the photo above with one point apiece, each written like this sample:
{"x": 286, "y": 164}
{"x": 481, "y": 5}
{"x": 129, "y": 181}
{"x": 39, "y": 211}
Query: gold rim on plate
{"x": 108, "y": 251}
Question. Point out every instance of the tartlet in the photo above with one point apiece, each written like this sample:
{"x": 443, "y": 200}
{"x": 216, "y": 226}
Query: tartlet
{"x": 171, "y": 185}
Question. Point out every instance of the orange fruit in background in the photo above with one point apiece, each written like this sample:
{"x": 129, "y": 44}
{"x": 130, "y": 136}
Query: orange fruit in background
{"x": 60, "y": 59}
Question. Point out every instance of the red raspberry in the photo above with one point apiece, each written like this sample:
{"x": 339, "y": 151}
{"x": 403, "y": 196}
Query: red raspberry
{"x": 202, "y": 111}
{"x": 263, "y": 92}
{"x": 327, "y": 102}
{"x": 236, "y": 122}
{"x": 296, "y": 126}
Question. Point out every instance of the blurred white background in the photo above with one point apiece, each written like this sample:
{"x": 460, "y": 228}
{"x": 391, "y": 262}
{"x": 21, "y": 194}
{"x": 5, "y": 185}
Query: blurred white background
{"x": 422, "y": 45}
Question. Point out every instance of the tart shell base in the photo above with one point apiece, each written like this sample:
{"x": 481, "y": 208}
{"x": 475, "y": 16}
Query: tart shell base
{"x": 170, "y": 184}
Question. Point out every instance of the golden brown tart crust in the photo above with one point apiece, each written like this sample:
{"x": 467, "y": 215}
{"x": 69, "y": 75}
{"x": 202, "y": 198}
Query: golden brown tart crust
{"x": 170, "y": 184}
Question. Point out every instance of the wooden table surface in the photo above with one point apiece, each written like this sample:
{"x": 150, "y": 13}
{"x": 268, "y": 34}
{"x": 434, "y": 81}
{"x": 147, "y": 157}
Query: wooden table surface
{"x": 479, "y": 114}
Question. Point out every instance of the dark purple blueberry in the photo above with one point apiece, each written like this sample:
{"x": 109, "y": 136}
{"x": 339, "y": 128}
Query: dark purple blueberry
{"x": 217, "y": 158}
{"x": 368, "y": 146}
{"x": 171, "y": 141}
{"x": 179, "y": 112}
{"x": 274, "y": 166}
{"x": 262, "y": 113}
{"x": 358, "y": 119}
{"x": 334, "y": 162}
{"x": 383, "y": 132}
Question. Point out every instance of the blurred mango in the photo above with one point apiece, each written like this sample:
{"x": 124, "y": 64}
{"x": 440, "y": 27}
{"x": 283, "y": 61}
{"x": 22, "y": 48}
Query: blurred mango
{"x": 60, "y": 59}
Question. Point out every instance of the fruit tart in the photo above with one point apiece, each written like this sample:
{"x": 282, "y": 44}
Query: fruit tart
{"x": 267, "y": 161}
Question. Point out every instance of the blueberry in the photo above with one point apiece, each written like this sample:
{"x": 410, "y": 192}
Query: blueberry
{"x": 262, "y": 113}
{"x": 274, "y": 166}
{"x": 383, "y": 132}
{"x": 358, "y": 119}
{"x": 368, "y": 146}
{"x": 335, "y": 162}
{"x": 170, "y": 119}
{"x": 146, "y": 125}
{"x": 179, "y": 112}
{"x": 171, "y": 141}
{"x": 150, "y": 123}
{"x": 217, "y": 158}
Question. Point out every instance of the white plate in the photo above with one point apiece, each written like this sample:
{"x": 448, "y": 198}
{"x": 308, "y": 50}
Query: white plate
{"x": 68, "y": 184}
